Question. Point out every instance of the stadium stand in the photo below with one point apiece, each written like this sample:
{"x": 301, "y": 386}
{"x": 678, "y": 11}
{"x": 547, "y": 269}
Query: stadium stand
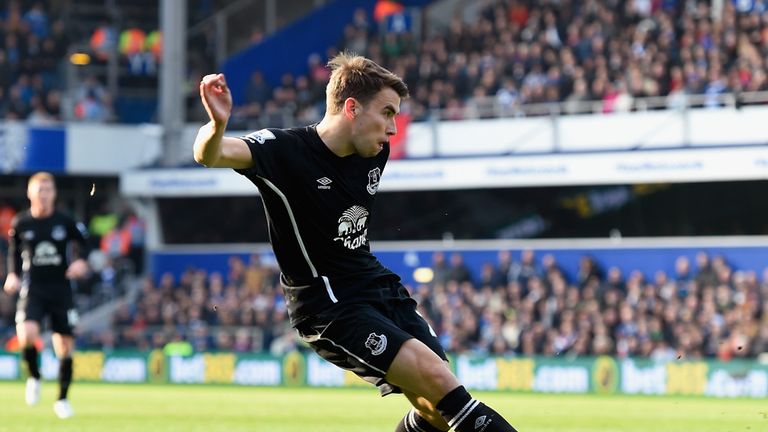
{"x": 514, "y": 58}
{"x": 523, "y": 58}
{"x": 34, "y": 40}
{"x": 517, "y": 306}
{"x": 37, "y": 38}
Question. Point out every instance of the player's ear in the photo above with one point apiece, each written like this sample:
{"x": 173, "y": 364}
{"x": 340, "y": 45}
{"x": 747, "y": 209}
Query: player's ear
{"x": 351, "y": 108}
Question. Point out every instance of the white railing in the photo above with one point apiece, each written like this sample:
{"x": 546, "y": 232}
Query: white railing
{"x": 645, "y": 123}
{"x": 492, "y": 107}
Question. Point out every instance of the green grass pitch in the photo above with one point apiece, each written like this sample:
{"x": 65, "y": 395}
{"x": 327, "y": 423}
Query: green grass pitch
{"x": 154, "y": 408}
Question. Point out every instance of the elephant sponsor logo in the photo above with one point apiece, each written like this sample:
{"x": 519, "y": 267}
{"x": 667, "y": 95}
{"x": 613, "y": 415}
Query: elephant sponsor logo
{"x": 353, "y": 227}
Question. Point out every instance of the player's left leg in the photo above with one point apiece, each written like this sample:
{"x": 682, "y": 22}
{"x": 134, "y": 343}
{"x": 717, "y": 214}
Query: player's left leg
{"x": 64, "y": 346}
{"x": 63, "y": 320}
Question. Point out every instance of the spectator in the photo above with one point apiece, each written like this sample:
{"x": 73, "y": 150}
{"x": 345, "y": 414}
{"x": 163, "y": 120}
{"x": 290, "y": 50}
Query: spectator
{"x": 459, "y": 271}
{"x": 525, "y": 269}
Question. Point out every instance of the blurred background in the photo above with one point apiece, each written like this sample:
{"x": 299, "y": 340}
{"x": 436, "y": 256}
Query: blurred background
{"x": 576, "y": 195}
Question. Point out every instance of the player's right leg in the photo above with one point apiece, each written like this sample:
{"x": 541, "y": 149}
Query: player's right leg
{"x": 28, "y": 332}
{"x": 64, "y": 345}
{"x": 418, "y": 370}
{"x": 29, "y": 313}
{"x": 63, "y": 321}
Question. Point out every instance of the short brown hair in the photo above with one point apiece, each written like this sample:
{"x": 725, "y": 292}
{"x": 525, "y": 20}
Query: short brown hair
{"x": 41, "y": 176}
{"x": 360, "y": 78}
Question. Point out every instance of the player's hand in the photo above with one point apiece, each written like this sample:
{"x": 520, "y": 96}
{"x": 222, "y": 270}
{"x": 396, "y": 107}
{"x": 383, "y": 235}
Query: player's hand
{"x": 216, "y": 98}
{"x": 77, "y": 270}
{"x": 12, "y": 283}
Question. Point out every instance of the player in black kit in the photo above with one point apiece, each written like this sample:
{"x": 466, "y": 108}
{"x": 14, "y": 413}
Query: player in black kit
{"x": 318, "y": 184}
{"x": 39, "y": 268}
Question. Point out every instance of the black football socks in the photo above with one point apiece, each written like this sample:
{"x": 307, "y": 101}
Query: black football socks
{"x": 413, "y": 422}
{"x": 30, "y": 357}
{"x": 465, "y": 414}
{"x": 65, "y": 376}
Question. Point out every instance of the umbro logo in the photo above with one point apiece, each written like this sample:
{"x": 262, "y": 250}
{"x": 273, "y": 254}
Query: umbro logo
{"x": 482, "y": 423}
{"x": 325, "y": 183}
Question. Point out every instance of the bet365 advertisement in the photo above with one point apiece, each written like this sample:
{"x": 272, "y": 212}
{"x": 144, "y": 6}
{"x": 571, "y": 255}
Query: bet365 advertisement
{"x": 603, "y": 375}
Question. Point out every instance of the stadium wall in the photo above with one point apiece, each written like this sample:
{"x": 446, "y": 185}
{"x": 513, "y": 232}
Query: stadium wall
{"x": 77, "y": 148}
{"x": 601, "y": 375}
{"x": 607, "y": 168}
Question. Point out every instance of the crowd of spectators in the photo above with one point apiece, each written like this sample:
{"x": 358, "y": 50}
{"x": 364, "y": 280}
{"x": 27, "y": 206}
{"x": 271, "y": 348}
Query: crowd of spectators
{"x": 517, "y": 306}
{"x": 518, "y": 54}
{"x": 507, "y": 59}
{"x": 242, "y": 311}
{"x": 32, "y": 44}
{"x": 528, "y": 307}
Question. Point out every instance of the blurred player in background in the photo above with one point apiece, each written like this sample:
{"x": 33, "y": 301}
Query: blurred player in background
{"x": 318, "y": 184}
{"x": 40, "y": 265}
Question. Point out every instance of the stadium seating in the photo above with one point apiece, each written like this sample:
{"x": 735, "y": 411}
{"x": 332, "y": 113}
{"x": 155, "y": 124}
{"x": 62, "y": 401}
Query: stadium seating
{"x": 517, "y": 306}
{"x": 512, "y": 58}
{"x": 33, "y": 42}
{"x": 525, "y": 57}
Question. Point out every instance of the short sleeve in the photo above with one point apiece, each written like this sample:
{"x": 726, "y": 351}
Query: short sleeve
{"x": 78, "y": 231}
{"x": 264, "y": 145}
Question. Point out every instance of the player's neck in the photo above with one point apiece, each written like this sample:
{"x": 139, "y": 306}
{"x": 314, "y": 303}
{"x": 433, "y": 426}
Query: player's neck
{"x": 335, "y": 136}
{"x": 39, "y": 212}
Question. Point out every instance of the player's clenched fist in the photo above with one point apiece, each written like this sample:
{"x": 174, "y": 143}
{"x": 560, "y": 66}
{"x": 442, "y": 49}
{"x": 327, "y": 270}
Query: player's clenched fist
{"x": 216, "y": 97}
{"x": 12, "y": 283}
{"x": 77, "y": 270}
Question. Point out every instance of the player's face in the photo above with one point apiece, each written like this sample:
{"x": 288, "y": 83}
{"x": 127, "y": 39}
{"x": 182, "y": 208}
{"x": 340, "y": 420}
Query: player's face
{"x": 42, "y": 193}
{"x": 375, "y": 123}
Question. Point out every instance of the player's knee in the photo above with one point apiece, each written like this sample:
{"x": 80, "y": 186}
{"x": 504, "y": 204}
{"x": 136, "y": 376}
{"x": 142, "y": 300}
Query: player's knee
{"x": 437, "y": 376}
{"x": 28, "y": 334}
{"x": 63, "y": 346}
{"x": 64, "y": 353}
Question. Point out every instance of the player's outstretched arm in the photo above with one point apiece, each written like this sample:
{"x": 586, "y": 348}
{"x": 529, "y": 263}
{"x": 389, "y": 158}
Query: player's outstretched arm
{"x": 212, "y": 148}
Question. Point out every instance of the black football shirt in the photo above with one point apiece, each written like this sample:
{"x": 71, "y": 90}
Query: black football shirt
{"x": 318, "y": 208}
{"x": 39, "y": 248}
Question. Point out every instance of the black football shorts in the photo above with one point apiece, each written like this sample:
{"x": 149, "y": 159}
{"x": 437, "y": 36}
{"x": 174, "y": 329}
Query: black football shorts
{"x": 60, "y": 309}
{"x": 364, "y": 337}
